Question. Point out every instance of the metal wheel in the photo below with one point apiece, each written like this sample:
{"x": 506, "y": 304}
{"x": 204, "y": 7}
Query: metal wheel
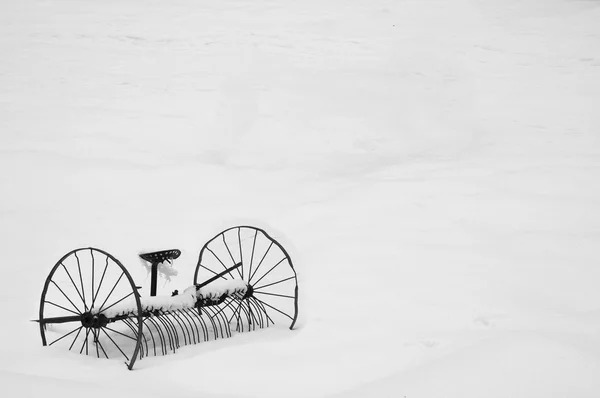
{"x": 78, "y": 303}
{"x": 267, "y": 269}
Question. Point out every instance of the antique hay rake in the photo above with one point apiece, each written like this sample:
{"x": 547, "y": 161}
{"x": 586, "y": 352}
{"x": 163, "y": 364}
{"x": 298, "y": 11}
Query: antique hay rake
{"x": 91, "y": 304}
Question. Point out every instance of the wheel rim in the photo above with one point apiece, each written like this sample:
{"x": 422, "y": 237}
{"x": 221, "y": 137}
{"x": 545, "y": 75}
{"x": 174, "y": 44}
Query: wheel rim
{"x": 79, "y": 290}
{"x": 267, "y": 269}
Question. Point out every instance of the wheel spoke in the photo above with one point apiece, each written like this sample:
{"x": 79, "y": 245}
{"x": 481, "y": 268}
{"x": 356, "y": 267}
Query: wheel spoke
{"x": 113, "y": 304}
{"x": 234, "y": 312}
{"x": 102, "y": 348}
{"x": 112, "y": 290}
{"x": 216, "y": 273}
{"x": 62, "y": 337}
{"x": 270, "y": 306}
{"x": 252, "y": 256}
{"x": 96, "y": 343}
{"x": 278, "y": 295}
{"x": 87, "y": 332}
{"x": 240, "y": 244}
{"x": 261, "y": 260}
{"x": 116, "y": 345}
{"x": 100, "y": 284}
{"x": 60, "y": 306}
{"x": 67, "y": 297}
{"x": 131, "y": 326}
{"x": 224, "y": 266}
{"x": 81, "y": 280}
{"x": 274, "y": 283}
{"x": 231, "y": 256}
{"x": 75, "y": 339}
{"x": 263, "y": 309}
{"x": 267, "y": 273}
{"x": 74, "y": 285}
{"x": 122, "y": 334}
{"x": 93, "y": 272}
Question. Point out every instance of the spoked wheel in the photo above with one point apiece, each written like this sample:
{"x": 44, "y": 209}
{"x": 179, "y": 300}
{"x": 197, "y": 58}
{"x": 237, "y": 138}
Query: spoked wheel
{"x": 267, "y": 269}
{"x": 77, "y": 307}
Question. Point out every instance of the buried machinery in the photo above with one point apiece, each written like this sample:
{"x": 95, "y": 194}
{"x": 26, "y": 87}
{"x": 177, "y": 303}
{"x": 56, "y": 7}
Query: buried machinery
{"x": 91, "y": 304}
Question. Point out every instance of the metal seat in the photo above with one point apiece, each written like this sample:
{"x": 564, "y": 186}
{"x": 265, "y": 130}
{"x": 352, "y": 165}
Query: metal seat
{"x": 161, "y": 256}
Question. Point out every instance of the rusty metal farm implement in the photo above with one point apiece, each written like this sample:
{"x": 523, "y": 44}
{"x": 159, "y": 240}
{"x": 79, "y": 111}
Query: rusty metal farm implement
{"x": 90, "y": 303}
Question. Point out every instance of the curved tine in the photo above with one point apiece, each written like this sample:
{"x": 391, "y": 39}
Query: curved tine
{"x": 247, "y": 313}
{"x": 81, "y": 280}
{"x": 116, "y": 345}
{"x": 67, "y": 297}
{"x": 191, "y": 313}
{"x": 202, "y": 311}
{"x": 221, "y": 315}
{"x": 181, "y": 318}
{"x": 171, "y": 345}
{"x": 173, "y": 315}
{"x": 169, "y": 320}
{"x": 240, "y": 318}
{"x": 221, "y": 309}
{"x": 161, "y": 336}
{"x": 261, "y": 320}
{"x": 129, "y": 324}
{"x": 198, "y": 314}
{"x": 185, "y": 316}
{"x": 164, "y": 318}
{"x": 235, "y": 313}
{"x": 68, "y": 334}
{"x": 151, "y": 335}
{"x": 251, "y": 318}
{"x": 211, "y": 314}
{"x": 135, "y": 332}
{"x": 263, "y": 310}
{"x": 161, "y": 333}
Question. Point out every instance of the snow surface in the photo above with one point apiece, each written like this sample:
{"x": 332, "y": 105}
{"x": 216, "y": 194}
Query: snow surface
{"x": 432, "y": 167}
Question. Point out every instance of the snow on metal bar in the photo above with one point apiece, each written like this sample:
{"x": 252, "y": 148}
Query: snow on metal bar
{"x": 186, "y": 299}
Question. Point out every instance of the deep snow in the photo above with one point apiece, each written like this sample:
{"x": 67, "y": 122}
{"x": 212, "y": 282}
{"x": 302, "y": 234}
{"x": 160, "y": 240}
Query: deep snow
{"x": 432, "y": 167}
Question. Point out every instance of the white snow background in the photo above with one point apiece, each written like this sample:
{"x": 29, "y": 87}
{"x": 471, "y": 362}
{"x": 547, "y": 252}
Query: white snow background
{"x": 433, "y": 168}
